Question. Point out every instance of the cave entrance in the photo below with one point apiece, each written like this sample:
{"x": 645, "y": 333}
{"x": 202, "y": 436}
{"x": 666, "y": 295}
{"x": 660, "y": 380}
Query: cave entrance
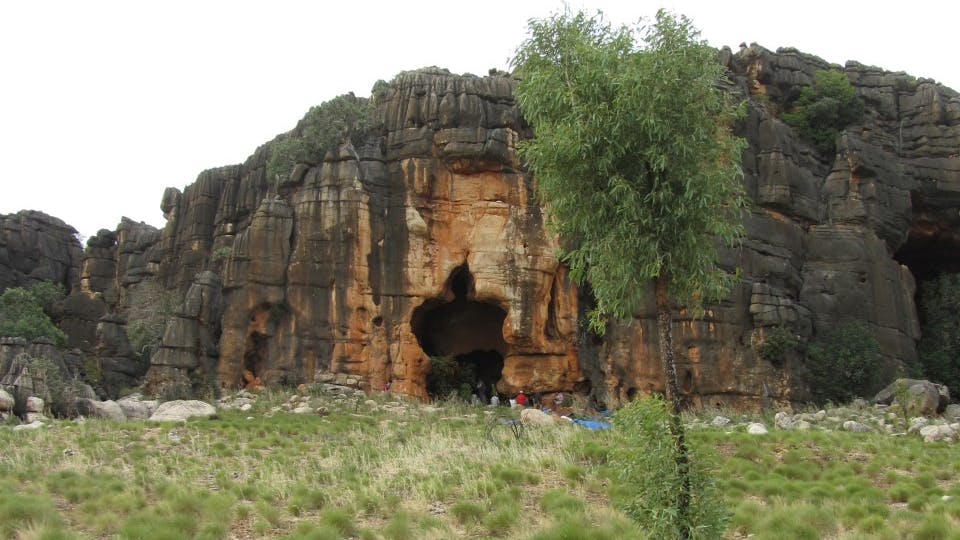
{"x": 932, "y": 253}
{"x": 463, "y": 337}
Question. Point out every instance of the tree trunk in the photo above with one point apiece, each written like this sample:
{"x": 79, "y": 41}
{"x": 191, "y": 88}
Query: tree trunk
{"x": 665, "y": 331}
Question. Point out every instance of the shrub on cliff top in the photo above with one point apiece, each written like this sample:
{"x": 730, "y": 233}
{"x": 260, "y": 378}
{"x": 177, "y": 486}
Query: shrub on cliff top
{"x": 323, "y": 127}
{"x": 24, "y": 312}
{"x": 825, "y": 108}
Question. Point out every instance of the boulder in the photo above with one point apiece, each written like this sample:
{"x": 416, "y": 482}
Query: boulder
{"x": 755, "y": 428}
{"x": 136, "y": 408}
{"x": 182, "y": 409}
{"x": 784, "y": 421}
{"x": 6, "y": 401}
{"x": 36, "y": 424}
{"x": 34, "y": 404}
{"x": 107, "y": 410}
{"x": 939, "y": 432}
{"x": 925, "y": 397}
{"x": 952, "y": 411}
{"x": 855, "y": 427}
{"x": 535, "y": 417}
{"x": 720, "y": 421}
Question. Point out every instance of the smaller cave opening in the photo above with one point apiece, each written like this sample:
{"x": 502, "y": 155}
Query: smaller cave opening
{"x": 254, "y": 359}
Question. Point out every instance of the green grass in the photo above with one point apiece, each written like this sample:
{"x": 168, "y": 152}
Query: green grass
{"x": 390, "y": 474}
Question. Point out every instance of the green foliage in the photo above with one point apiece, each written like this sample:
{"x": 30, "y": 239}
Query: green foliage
{"x": 222, "y": 253}
{"x": 775, "y": 344}
{"x": 825, "y": 108}
{"x": 62, "y": 388}
{"x": 144, "y": 337}
{"x": 939, "y": 347}
{"x": 633, "y": 155}
{"x": 844, "y": 364}
{"x": 449, "y": 378}
{"x": 26, "y": 312}
{"x": 644, "y": 457}
{"x": 323, "y": 127}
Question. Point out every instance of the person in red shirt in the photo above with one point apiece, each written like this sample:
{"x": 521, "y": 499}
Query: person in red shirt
{"x": 521, "y": 399}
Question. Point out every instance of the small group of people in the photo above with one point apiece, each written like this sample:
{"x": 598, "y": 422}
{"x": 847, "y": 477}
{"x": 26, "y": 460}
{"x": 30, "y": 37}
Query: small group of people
{"x": 535, "y": 400}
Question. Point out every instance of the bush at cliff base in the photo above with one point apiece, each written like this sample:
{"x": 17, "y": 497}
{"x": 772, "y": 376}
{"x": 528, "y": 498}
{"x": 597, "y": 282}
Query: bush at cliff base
{"x": 845, "y": 364}
{"x": 644, "y": 453}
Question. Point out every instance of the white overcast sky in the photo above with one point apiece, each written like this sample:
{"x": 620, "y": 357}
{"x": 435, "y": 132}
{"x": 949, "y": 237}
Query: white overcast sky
{"x": 104, "y": 104}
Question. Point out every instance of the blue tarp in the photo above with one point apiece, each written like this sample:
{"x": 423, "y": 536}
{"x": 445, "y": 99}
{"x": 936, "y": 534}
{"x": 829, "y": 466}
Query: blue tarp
{"x": 592, "y": 425}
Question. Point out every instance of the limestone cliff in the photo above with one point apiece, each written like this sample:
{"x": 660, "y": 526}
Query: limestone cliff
{"x": 421, "y": 237}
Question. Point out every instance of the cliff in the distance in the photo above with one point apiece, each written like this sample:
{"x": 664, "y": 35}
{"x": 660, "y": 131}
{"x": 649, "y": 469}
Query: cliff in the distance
{"x": 425, "y": 240}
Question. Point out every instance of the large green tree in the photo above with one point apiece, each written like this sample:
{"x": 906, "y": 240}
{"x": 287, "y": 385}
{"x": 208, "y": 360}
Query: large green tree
{"x": 634, "y": 158}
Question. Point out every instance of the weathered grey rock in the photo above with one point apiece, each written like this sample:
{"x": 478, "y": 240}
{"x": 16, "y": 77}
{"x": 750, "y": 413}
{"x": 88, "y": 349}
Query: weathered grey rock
{"x": 952, "y": 411}
{"x": 918, "y": 423}
{"x": 755, "y": 428}
{"x": 784, "y": 421}
{"x": 31, "y": 417}
{"x": 302, "y": 409}
{"x": 6, "y": 401}
{"x": 803, "y": 425}
{"x": 34, "y": 404}
{"x": 925, "y": 397}
{"x": 939, "y": 432}
{"x": 720, "y": 421}
{"x": 181, "y": 410}
{"x": 36, "y": 424}
{"x": 107, "y": 410}
{"x": 856, "y": 427}
{"x": 134, "y": 407}
{"x": 535, "y": 417}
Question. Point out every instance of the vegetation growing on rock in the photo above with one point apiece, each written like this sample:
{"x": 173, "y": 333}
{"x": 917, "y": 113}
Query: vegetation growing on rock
{"x": 25, "y": 312}
{"x": 321, "y": 129}
{"x": 824, "y": 109}
{"x": 939, "y": 347}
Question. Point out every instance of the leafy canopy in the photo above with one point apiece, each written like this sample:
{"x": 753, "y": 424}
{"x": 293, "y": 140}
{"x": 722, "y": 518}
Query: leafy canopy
{"x": 633, "y": 155}
{"x": 22, "y": 312}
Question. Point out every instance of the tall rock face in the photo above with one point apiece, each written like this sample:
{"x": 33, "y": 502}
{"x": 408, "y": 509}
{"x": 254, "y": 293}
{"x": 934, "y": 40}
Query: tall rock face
{"x": 36, "y": 247}
{"x": 425, "y": 240}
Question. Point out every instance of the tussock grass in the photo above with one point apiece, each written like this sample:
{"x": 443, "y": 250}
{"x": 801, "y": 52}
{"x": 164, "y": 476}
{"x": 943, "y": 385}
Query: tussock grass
{"x": 405, "y": 471}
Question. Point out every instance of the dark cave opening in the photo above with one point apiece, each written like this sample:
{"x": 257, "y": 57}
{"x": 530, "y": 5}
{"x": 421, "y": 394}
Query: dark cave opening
{"x": 932, "y": 254}
{"x": 468, "y": 332}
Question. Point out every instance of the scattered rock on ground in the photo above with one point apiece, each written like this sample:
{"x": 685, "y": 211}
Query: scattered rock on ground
{"x": 535, "y": 417}
{"x": 137, "y": 408}
{"x": 755, "y": 428}
{"x": 37, "y": 424}
{"x": 182, "y": 409}
{"x": 108, "y": 410}
{"x": 855, "y": 427}
{"x": 929, "y": 398}
{"x": 719, "y": 421}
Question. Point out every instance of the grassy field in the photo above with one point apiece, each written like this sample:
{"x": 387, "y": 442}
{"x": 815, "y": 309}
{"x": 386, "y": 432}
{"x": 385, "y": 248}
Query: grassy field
{"x": 405, "y": 471}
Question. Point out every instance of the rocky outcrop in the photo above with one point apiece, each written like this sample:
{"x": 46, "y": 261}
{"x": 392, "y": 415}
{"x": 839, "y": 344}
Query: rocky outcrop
{"x": 422, "y": 238}
{"x": 425, "y": 240}
{"x": 36, "y": 247}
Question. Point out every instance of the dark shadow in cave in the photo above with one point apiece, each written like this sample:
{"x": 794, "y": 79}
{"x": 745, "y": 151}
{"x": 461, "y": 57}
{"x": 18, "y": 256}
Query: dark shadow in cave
{"x": 468, "y": 331}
